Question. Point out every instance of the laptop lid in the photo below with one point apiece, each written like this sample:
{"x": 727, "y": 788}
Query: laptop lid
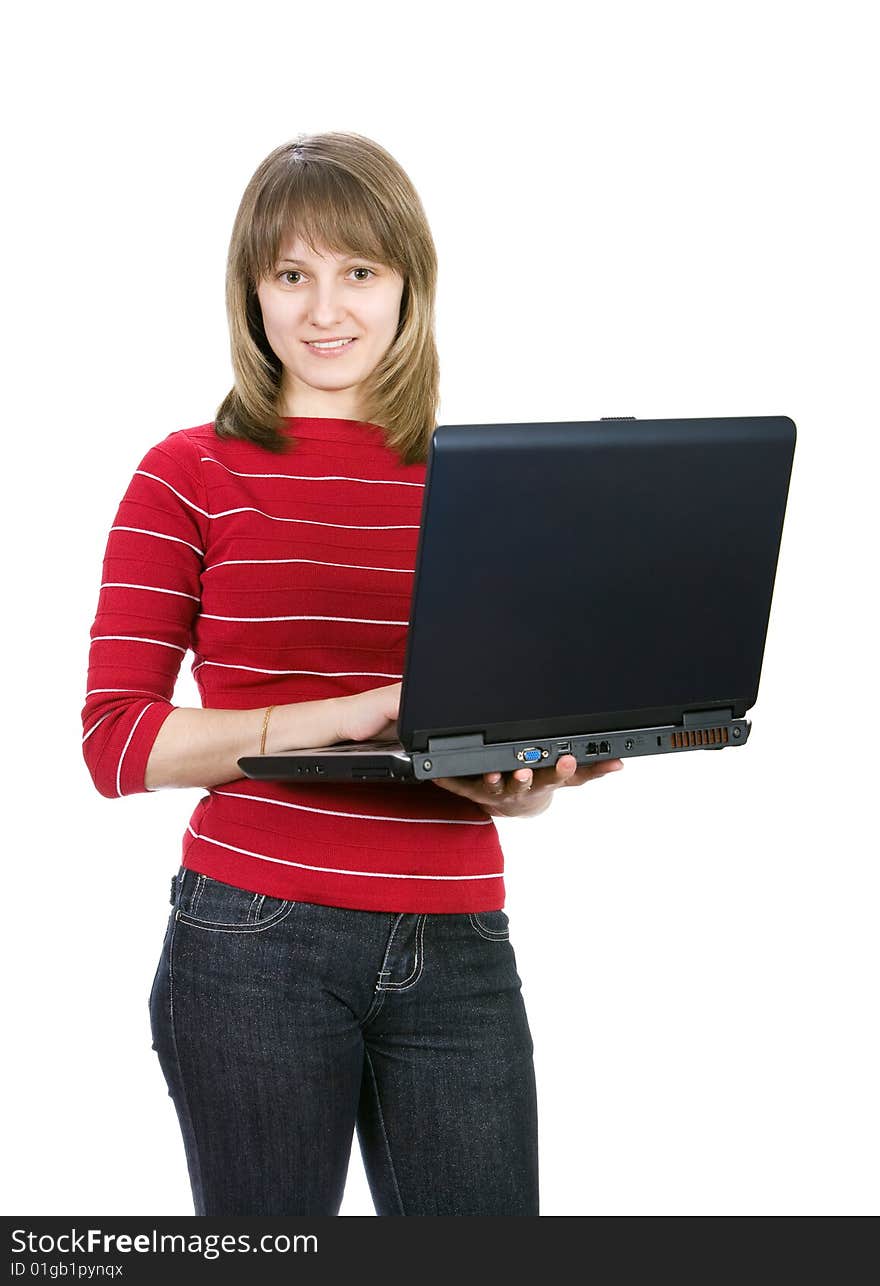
{"x": 575, "y": 575}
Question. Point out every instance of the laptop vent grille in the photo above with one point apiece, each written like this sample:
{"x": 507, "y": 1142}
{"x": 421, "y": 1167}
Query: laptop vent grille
{"x": 700, "y": 737}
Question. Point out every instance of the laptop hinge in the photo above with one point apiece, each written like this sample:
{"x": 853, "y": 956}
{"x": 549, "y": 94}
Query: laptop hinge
{"x": 436, "y": 744}
{"x": 704, "y": 718}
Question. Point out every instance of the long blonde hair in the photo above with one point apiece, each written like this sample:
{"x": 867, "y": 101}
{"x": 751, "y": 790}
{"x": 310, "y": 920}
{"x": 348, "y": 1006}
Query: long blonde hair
{"x": 345, "y": 192}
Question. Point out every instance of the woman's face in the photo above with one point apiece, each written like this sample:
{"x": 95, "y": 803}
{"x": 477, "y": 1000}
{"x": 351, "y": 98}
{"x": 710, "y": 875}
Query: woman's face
{"x": 328, "y": 297}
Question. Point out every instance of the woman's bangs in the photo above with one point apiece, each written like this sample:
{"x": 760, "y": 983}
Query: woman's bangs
{"x": 323, "y": 218}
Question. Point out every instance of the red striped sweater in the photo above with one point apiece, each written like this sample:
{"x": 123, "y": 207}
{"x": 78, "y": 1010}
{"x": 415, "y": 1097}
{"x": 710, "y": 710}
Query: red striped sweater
{"x": 289, "y": 578}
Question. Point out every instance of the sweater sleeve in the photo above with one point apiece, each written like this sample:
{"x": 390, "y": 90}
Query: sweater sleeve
{"x": 148, "y": 600}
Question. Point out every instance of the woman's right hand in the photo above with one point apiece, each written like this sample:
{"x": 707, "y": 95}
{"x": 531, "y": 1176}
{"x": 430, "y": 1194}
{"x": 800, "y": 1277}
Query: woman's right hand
{"x": 370, "y": 715}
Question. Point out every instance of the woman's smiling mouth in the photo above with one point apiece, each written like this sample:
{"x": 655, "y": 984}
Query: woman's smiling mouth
{"x": 330, "y": 347}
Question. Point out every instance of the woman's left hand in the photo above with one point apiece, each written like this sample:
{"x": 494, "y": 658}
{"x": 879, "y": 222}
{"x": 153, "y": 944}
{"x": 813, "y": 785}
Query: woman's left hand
{"x": 523, "y": 793}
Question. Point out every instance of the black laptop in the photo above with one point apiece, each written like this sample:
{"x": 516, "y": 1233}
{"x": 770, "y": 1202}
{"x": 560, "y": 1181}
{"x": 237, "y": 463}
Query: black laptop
{"x": 597, "y": 588}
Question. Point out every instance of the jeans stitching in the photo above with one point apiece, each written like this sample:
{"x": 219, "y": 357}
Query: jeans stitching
{"x": 252, "y": 923}
{"x": 384, "y": 1132}
{"x": 418, "y": 962}
{"x": 197, "y": 893}
{"x": 200, "y": 1196}
{"x": 209, "y": 926}
{"x": 491, "y": 935}
{"x": 383, "y": 971}
{"x": 375, "y": 1005}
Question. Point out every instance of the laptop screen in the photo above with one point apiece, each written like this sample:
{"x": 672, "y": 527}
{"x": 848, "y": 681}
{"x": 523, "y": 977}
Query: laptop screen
{"x": 578, "y": 575}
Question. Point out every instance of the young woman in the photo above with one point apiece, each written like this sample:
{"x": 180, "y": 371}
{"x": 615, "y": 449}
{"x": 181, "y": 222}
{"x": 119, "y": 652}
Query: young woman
{"x": 337, "y": 956}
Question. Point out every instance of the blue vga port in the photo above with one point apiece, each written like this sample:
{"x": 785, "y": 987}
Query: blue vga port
{"x": 531, "y": 754}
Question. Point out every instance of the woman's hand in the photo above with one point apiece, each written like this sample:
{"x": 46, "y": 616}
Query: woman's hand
{"x": 523, "y": 793}
{"x": 370, "y": 715}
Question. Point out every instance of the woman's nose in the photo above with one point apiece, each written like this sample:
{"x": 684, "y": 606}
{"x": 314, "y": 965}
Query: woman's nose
{"x": 326, "y": 306}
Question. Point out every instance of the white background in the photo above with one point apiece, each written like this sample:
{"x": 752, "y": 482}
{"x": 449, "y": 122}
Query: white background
{"x": 639, "y": 209}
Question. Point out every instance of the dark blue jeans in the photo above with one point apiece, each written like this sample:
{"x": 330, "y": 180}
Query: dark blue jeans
{"x": 281, "y": 1027}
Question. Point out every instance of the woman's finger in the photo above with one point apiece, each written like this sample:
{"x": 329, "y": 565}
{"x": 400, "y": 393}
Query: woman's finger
{"x": 562, "y": 774}
{"x": 457, "y": 786}
{"x": 475, "y": 788}
{"x": 490, "y": 788}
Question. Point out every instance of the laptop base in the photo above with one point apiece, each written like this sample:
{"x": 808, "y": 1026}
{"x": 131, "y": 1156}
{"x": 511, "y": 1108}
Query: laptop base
{"x": 468, "y": 755}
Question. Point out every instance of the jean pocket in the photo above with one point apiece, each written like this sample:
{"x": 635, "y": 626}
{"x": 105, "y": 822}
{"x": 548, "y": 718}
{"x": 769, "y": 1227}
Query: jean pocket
{"x": 493, "y": 925}
{"x": 206, "y": 903}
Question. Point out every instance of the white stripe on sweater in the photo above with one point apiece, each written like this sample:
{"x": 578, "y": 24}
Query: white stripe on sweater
{"x": 308, "y": 522}
{"x": 96, "y": 725}
{"x": 145, "y": 692}
{"x": 356, "y": 620}
{"x": 127, "y": 744}
{"x": 366, "y": 817}
{"x": 307, "y": 477}
{"x": 338, "y": 870}
{"x": 130, "y": 638}
{"x": 160, "y": 535}
{"x": 312, "y": 562}
{"x": 118, "y": 584}
{"x": 324, "y": 674}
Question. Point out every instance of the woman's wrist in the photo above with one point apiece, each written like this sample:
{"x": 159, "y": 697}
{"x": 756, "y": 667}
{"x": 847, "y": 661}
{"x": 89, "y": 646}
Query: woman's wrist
{"x": 301, "y": 725}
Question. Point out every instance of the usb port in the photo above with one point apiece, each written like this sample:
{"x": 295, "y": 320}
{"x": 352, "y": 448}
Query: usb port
{"x": 564, "y": 748}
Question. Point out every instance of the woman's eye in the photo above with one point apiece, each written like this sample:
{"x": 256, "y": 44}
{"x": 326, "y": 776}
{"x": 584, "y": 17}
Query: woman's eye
{"x": 294, "y": 272}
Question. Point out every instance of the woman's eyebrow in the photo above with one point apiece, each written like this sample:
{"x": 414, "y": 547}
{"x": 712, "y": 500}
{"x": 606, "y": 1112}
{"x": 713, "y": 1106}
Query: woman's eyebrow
{"x": 346, "y": 259}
